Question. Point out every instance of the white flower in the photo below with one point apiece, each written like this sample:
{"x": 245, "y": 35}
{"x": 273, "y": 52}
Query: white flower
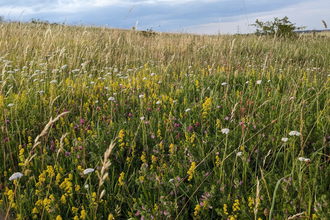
{"x": 302, "y": 159}
{"x": 159, "y": 82}
{"x": 41, "y": 91}
{"x": 247, "y": 82}
{"x": 86, "y": 186}
{"x": 285, "y": 139}
{"x": 158, "y": 102}
{"x": 174, "y": 101}
{"x": 106, "y": 88}
{"x": 96, "y": 101}
{"x": 292, "y": 133}
{"x": 188, "y": 109}
{"x": 268, "y": 81}
{"x": 259, "y": 82}
{"x": 142, "y": 118}
{"x": 144, "y": 78}
{"x": 88, "y": 170}
{"x": 15, "y": 176}
{"x": 35, "y": 80}
{"x": 307, "y": 160}
{"x": 239, "y": 154}
{"x": 65, "y": 66}
{"x": 111, "y": 98}
{"x": 53, "y": 81}
{"x": 114, "y": 93}
{"x": 10, "y": 104}
{"x": 224, "y": 83}
{"x": 141, "y": 96}
{"x": 225, "y": 130}
{"x": 152, "y": 74}
{"x": 171, "y": 180}
{"x": 92, "y": 82}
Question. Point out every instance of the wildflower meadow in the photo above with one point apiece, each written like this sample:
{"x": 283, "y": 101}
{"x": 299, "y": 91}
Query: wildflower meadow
{"x": 100, "y": 123}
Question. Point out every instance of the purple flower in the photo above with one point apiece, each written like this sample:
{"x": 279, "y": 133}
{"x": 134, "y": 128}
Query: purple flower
{"x": 138, "y": 213}
{"x": 226, "y": 118}
{"x": 80, "y": 147}
{"x": 67, "y": 153}
{"x": 82, "y": 121}
{"x": 218, "y": 106}
{"x": 197, "y": 124}
{"x": 152, "y": 136}
{"x": 6, "y": 139}
{"x": 191, "y": 128}
{"x": 176, "y": 125}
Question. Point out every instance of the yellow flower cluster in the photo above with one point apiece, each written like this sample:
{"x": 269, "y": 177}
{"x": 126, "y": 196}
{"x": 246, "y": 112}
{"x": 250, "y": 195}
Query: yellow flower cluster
{"x": 143, "y": 157}
{"x": 121, "y": 136}
{"x": 225, "y": 209}
{"x": 197, "y": 209}
{"x": 121, "y": 177}
{"x": 66, "y": 185}
{"x": 191, "y": 171}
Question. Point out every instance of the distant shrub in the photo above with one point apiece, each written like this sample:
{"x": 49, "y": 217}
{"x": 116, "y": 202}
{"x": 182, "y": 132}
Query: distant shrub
{"x": 279, "y": 27}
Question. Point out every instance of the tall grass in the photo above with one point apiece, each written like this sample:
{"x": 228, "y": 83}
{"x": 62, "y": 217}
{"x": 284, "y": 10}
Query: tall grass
{"x": 164, "y": 104}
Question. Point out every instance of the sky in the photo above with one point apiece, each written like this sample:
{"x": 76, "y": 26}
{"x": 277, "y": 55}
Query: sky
{"x": 188, "y": 16}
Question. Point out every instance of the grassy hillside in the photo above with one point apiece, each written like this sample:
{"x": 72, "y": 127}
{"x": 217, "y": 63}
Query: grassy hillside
{"x": 112, "y": 124}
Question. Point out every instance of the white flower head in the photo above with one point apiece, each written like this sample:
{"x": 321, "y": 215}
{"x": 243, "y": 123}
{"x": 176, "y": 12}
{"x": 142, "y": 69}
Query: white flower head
{"x": 10, "y": 104}
{"x": 284, "y": 139}
{"x": 152, "y": 74}
{"x": 292, "y": 133}
{"x": 171, "y": 180}
{"x": 259, "y": 82}
{"x": 88, "y": 170}
{"x": 15, "y": 176}
{"x": 247, "y": 82}
{"x": 144, "y": 78}
{"x": 92, "y": 82}
{"x": 268, "y": 80}
{"x": 159, "y": 82}
{"x": 141, "y": 96}
{"x": 65, "y": 66}
{"x": 301, "y": 159}
{"x": 188, "y": 109}
{"x": 224, "y": 83}
{"x": 53, "y": 81}
{"x": 142, "y": 118}
{"x": 158, "y": 102}
{"x": 111, "y": 98}
{"x": 239, "y": 154}
{"x": 174, "y": 101}
{"x": 225, "y": 130}
{"x": 86, "y": 186}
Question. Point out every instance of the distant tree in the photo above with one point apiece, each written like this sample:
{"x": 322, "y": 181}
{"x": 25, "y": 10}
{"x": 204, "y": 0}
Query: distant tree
{"x": 281, "y": 27}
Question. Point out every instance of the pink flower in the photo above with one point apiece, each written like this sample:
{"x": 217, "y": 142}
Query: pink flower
{"x": 138, "y": 213}
{"x": 176, "y": 125}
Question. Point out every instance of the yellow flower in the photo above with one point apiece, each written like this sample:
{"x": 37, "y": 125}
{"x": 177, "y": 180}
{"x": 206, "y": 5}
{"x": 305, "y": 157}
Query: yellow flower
{"x": 191, "y": 171}
{"x": 110, "y": 217}
{"x": 58, "y": 217}
{"x": 120, "y": 180}
{"x": 63, "y": 199}
{"x": 197, "y": 209}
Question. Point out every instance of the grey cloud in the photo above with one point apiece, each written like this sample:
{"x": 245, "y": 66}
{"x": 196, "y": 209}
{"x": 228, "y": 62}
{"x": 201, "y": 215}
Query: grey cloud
{"x": 169, "y": 15}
